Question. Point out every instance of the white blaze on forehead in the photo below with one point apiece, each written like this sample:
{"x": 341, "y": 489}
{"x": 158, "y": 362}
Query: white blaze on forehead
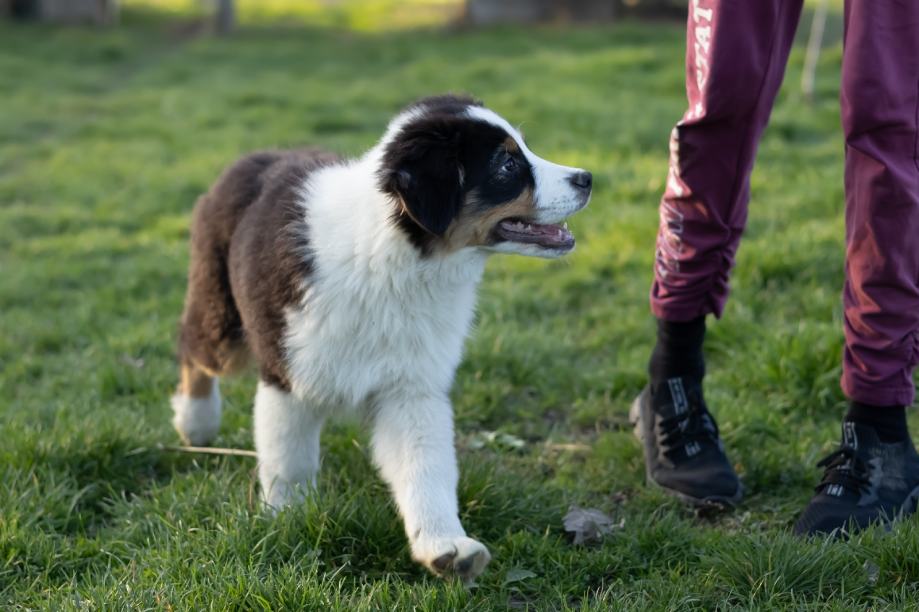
{"x": 555, "y": 196}
{"x": 490, "y": 116}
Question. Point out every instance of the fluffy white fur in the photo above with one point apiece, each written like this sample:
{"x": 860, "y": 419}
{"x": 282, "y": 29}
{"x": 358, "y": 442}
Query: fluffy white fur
{"x": 379, "y": 335}
{"x": 197, "y": 419}
{"x": 287, "y": 443}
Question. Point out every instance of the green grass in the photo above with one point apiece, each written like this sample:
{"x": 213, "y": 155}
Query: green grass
{"x": 107, "y": 137}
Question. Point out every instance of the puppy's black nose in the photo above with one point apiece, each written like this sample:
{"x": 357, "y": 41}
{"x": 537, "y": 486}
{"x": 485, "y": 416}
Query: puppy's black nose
{"x": 582, "y": 180}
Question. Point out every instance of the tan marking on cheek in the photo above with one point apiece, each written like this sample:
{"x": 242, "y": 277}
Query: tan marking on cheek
{"x": 510, "y": 145}
{"x": 474, "y": 226}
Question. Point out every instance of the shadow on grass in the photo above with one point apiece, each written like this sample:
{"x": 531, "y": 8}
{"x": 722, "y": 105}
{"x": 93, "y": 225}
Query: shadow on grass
{"x": 89, "y": 481}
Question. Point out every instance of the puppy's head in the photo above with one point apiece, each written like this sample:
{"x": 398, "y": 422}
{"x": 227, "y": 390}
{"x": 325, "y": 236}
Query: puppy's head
{"x": 462, "y": 176}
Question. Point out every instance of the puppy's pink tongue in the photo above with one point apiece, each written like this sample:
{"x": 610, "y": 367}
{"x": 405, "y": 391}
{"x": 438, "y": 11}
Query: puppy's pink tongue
{"x": 550, "y": 236}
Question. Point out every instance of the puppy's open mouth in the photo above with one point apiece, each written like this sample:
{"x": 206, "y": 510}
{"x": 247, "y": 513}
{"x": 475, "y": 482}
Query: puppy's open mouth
{"x": 548, "y": 236}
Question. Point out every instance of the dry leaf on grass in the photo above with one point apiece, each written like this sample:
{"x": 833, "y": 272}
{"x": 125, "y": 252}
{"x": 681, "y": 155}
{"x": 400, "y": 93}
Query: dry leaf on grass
{"x": 517, "y": 574}
{"x": 496, "y": 440}
{"x": 588, "y": 525}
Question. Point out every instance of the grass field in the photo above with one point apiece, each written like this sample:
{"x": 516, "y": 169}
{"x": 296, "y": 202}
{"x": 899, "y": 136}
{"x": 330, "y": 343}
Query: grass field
{"x": 106, "y": 139}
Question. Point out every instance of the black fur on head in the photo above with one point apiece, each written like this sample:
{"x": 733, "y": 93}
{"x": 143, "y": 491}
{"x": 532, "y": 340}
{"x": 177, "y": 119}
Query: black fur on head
{"x": 445, "y": 104}
{"x": 422, "y": 168}
{"x": 440, "y": 158}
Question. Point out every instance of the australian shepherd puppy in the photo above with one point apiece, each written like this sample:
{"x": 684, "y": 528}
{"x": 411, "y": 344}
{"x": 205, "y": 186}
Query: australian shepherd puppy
{"x": 352, "y": 285}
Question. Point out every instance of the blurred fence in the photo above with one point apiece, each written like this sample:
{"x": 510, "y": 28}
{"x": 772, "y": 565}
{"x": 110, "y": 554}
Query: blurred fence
{"x": 473, "y": 12}
{"x": 93, "y": 11}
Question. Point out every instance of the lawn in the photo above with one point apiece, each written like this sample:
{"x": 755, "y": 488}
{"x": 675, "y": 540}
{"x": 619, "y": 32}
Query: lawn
{"x": 106, "y": 139}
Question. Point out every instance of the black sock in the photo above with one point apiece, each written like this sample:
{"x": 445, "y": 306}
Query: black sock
{"x": 888, "y": 421}
{"x": 678, "y": 351}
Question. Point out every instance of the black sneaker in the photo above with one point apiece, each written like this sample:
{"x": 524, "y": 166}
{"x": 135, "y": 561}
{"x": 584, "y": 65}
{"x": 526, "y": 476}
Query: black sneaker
{"x": 866, "y": 481}
{"x": 683, "y": 453}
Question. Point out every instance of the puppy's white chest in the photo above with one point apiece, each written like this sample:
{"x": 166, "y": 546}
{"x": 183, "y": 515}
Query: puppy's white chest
{"x": 350, "y": 341}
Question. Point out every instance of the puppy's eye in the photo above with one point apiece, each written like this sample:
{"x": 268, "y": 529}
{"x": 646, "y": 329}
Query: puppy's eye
{"x": 509, "y": 165}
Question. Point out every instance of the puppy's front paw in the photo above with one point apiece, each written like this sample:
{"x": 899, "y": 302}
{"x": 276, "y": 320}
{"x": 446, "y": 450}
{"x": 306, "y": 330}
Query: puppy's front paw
{"x": 462, "y": 557}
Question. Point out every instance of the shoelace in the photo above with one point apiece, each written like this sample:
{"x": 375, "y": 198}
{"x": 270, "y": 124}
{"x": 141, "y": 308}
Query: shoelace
{"x": 694, "y": 425}
{"x": 845, "y": 468}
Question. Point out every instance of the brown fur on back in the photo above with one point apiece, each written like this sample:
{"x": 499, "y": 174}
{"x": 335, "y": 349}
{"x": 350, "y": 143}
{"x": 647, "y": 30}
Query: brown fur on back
{"x": 249, "y": 256}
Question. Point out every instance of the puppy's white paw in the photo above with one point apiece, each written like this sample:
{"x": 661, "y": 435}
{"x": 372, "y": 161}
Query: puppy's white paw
{"x": 197, "y": 419}
{"x": 462, "y": 557}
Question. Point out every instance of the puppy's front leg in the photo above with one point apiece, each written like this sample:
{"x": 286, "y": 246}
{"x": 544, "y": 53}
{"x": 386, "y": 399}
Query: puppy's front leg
{"x": 413, "y": 447}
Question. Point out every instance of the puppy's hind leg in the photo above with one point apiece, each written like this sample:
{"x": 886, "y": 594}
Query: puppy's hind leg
{"x": 211, "y": 340}
{"x": 287, "y": 443}
{"x": 196, "y": 406}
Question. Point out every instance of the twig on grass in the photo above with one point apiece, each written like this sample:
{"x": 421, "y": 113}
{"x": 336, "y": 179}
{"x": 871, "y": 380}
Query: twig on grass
{"x": 209, "y": 450}
{"x": 572, "y": 447}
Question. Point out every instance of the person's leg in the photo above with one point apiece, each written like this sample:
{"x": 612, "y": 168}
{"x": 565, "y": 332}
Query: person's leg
{"x": 880, "y": 117}
{"x": 880, "y": 111}
{"x": 735, "y": 61}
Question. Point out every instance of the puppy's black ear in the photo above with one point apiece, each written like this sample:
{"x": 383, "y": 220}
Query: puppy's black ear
{"x": 422, "y": 167}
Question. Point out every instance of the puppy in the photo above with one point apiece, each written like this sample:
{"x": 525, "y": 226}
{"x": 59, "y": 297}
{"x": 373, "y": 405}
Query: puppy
{"x": 352, "y": 284}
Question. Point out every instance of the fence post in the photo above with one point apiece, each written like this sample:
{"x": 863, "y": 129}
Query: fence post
{"x": 814, "y": 43}
{"x": 225, "y": 19}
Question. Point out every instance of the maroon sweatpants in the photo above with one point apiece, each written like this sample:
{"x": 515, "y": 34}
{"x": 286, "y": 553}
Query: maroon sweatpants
{"x": 735, "y": 61}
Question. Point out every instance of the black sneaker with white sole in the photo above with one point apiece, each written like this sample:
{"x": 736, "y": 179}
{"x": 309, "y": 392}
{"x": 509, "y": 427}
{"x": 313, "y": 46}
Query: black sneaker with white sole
{"x": 683, "y": 453}
{"x": 866, "y": 481}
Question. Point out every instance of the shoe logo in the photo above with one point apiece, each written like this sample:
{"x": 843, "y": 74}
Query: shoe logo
{"x": 678, "y": 393}
{"x": 693, "y": 449}
{"x": 848, "y": 435}
{"x": 835, "y": 490}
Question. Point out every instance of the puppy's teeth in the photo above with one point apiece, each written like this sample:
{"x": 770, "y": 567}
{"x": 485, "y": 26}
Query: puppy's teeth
{"x": 565, "y": 225}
